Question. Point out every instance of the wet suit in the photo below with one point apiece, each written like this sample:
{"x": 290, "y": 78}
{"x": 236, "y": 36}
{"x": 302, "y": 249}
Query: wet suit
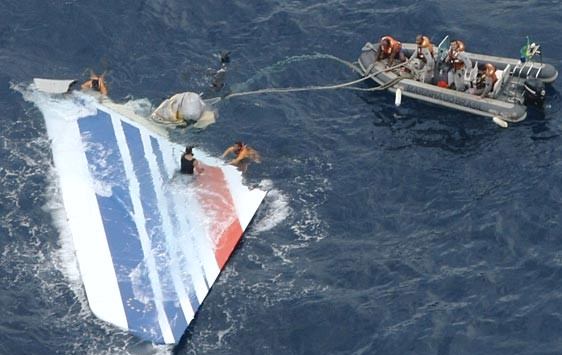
{"x": 187, "y": 165}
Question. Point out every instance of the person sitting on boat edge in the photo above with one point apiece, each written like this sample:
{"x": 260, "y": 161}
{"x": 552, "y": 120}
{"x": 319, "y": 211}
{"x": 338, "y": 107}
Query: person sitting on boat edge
{"x": 460, "y": 63}
{"x": 422, "y": 59}
{"x": 96, "y": 82}
{"x": 188, "y": 163}
{"x": 242, "y": 155}
{"x": 485, "y": 82}
{"x": 390, "y": 49}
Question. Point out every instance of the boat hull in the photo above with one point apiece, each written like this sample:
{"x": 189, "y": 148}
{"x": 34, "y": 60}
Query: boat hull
{"x": 508, "y": 106}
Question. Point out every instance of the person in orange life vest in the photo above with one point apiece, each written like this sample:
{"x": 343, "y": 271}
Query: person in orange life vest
{"x": 96, "y": 82}
{"x": 460, "y": 63}
{"x": 242, "y": 155}
{"x": 486, "y": 81}
{"x": 390, "y": 49}
{"x": 425, "y": 58}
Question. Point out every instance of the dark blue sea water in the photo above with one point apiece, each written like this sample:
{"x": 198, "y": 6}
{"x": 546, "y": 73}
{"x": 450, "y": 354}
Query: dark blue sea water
{"x": 410, "y": 230}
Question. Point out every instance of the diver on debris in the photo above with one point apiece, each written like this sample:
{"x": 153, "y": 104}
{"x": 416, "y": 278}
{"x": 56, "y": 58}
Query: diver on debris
{"x": 219, "y": 76}
{"x": 390, "y": 49}
{"x": 96, "y": 83}
{"x": 423, "y": 57}
{"x": 459, "y": 62}
{"x": 485, "y": 82}
{"x": 224, "y": 57}
{"x": 188, "y": 163}
{"x": 242, "y": 155}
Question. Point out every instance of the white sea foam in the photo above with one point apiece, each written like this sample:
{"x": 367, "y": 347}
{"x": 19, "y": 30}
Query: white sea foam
{"x": 276, "y": 208}
{"x": 64, "y": 257}
{"x": 142, "y": 107}
{"x": 63, "y": 106}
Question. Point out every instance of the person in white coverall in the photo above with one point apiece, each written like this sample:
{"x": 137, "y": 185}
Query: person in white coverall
{"x": 460, "y": 63}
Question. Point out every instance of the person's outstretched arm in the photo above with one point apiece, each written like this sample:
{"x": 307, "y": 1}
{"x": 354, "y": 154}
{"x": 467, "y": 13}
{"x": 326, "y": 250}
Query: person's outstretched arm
{"x": 254, "y": 155}
{"x": 227, "y": 151}
{"x": 243, "y": 155}
{"x": 103, "y": 87}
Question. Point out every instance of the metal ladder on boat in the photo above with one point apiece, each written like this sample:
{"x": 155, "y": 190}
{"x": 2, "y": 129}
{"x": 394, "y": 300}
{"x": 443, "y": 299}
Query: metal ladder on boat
{"x": 518, "y": 70}
{"x": 528, "y": 67}
{"x": 509, "y": 87}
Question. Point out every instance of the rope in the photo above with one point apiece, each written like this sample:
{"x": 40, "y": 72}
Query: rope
{"x": 298, "y": 58}
{"x": 381, "y": 87}
{"x": 346, "y": 85}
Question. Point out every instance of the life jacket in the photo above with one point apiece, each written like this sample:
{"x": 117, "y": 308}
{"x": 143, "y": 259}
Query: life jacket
{"x": 490, "y": 71}
{"x": 457, "y": 63}
{"x": 186, "y": 165}
{"x": 454, "y": 55}
{"x": 494, "y": 78}
{"x": 394, "y": 45}
{"x": 426, "y": 43}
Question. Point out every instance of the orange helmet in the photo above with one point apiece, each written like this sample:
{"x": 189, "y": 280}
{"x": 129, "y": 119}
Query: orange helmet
{"x": 423, "y": 41}
{"x": 385, "y": 40}
{"x": 489, "y": 69}
{"x": 455, "y": 48}
{"x": 458, "y": 46}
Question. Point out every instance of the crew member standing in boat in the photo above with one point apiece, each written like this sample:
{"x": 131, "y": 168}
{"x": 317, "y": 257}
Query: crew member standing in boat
{"x": 425, "y": 59}
{"x": 188, "y": 163}
{"x": 390, "y": 49}
{"x": 460, "y": 63}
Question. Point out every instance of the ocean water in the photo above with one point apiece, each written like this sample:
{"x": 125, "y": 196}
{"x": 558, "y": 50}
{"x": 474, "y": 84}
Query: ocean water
{"x": 410, "y": 230}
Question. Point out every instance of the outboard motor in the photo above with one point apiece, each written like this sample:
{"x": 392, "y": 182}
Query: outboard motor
{"x": 534, "y": 92}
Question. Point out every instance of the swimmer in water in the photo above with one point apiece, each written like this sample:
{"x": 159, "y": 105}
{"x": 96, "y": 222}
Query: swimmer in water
{"x": 243, "y": 154}
{"x": 96, "y": 83}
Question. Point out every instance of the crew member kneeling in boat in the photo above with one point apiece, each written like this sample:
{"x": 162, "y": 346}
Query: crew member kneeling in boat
{"x": 188, "y": 163}
{"x": 485, "y": 82}
{"x": 96, "y": 82}
{"x": 390, "y": 49}
{"x": 242, "y": 155}
{"x": 459, "y": 62}
{"x": 424, "y": 62}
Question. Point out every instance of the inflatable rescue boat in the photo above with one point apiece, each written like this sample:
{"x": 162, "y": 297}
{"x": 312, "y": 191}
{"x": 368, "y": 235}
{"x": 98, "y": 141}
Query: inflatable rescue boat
{"x": 519, "y": 83}
{"x": 149, "y": 242}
